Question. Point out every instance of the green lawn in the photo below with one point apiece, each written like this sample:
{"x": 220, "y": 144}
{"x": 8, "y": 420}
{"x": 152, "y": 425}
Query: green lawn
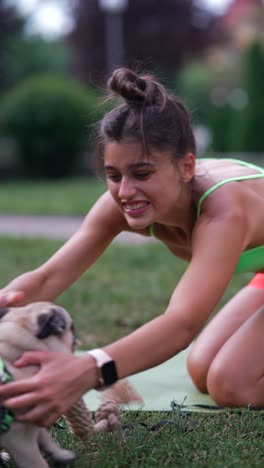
{"x": 64, "y": 197}
{"x": 126, "y": 287}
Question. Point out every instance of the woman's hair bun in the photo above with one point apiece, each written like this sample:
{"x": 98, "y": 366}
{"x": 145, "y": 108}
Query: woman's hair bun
{"x": 130, "y": 86}
{"x": 151, "y": 115}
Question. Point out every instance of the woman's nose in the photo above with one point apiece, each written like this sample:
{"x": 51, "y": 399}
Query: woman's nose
{"x": 126, "y": 189}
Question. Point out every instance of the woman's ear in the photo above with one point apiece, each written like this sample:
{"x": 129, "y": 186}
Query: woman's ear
{"x": 187, "y": 167}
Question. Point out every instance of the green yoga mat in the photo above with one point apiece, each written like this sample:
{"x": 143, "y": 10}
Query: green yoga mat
{"x": 162, "y": 387}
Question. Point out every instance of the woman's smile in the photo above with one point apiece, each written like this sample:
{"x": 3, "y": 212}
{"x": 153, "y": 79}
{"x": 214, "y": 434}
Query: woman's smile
{"x": 135, "y": 208}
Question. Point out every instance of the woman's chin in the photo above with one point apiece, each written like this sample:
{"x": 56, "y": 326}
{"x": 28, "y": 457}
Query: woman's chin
{"x": 138, "y": 224}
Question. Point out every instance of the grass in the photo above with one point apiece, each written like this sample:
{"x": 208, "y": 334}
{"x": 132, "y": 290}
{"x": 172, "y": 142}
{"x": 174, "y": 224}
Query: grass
{"x": 230, "y": 439}
{"x": 61, "y": 197}
{"x": 126, "y": 287}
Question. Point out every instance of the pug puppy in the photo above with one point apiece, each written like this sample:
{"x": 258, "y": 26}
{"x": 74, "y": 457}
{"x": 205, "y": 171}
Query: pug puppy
{"x": 38, "y": 326}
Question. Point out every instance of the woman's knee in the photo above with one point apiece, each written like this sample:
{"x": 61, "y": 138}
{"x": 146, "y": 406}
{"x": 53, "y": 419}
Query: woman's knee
{"x": 226, "y": 388}
{"x": 230, "y": 381}
{"x": 198, "y": 367}
{"x": 220, "y": 387}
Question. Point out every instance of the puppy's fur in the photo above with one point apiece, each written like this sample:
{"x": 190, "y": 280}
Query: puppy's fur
{"x": 38, "y": 326}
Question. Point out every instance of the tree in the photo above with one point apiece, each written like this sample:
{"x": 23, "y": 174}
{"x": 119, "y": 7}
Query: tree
{"x": 11, "y": 25}
{"x": 193, "y": 83}
{"x": 246, "y": 133}
{"x": 160, "y": 35}
{"x": 34, "y": 55}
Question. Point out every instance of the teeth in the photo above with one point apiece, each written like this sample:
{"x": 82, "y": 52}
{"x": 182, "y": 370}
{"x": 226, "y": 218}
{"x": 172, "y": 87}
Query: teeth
{"x": 135, "y": 206}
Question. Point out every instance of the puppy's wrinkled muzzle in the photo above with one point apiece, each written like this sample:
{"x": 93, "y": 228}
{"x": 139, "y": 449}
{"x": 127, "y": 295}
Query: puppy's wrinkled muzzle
{"x": 52, "y": 323}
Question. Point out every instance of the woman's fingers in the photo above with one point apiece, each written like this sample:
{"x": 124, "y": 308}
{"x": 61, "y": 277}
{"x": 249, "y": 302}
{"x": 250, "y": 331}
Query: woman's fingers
{"x": 41, "y": 399}
{"x": 34, "y": 358}
{"x": 22, "y": 401}
{"x": 16, "y": 388}
{"x": 35, "y": 406}
{"x": 11, "y": 298}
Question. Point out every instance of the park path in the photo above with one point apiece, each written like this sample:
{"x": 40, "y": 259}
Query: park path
{"x": 53, "y": 227}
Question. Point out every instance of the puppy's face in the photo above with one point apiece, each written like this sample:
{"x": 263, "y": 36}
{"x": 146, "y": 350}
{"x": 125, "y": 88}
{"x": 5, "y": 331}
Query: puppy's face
{"x": 44, "y": 321}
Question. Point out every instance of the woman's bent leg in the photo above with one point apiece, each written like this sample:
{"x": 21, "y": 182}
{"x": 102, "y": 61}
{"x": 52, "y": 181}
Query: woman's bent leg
{"x": 228, "y": 320}
{"x": 236, "y": 375}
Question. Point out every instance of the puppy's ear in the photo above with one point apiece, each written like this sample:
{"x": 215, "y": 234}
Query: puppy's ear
{"x": 52, "y": 323}
{"x": 3, "y": 311}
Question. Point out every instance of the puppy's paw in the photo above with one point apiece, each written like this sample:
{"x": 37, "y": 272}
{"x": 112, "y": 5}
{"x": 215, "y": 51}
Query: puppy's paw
{"x": 122, "y": 392}
{"x": 63, "y": 456}
{"x": 4, "y": 456}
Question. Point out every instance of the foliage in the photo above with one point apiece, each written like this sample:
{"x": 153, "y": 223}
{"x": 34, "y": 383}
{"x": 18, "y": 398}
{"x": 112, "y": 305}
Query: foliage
{"x": 10, "y": 21}
{"x": 246, "y": 133}
{"x": 30, "y": 56}
{"x": 159, "y": 35}
{"x": 11, "y": 25}
{"x": 50, "y": 118}
{"x": 220, "y": 119}
{"x": 215, "y": 98}
{"x": 193, "y": 85}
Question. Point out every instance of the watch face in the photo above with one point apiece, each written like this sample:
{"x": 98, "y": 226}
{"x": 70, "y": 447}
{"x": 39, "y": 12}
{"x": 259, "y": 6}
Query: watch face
{"x": 109, "y": 373}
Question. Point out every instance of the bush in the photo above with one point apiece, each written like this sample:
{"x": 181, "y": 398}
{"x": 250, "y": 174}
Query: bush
{"x": 220, "y": 120}
{"x": 32, "y": 55}
{"x": 193, "y": 84}
{"x": 246, "y": 133}
{"x": 50, "y": 119}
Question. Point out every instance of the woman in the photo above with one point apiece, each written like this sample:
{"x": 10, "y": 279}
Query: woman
{"x": 208, "y": 212}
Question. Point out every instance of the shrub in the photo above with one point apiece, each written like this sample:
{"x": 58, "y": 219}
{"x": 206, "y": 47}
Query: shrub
{"x": 34, "y": 55}
{"x": 50, "y": 119}
{"x": 220, "y": 119}
{"x": 246, "y": 133}
{"x": 193, "y": 84}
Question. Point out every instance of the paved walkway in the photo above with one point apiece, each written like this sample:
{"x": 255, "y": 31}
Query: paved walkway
{"x": 53, "y": 227}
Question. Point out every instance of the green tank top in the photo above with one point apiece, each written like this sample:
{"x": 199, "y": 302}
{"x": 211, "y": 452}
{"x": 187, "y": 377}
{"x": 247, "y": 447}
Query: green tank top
{"x": 253, "y": 259}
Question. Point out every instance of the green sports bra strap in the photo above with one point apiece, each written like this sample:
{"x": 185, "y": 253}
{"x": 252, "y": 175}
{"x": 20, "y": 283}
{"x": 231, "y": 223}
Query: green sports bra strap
{"x": 216, "y": 186}
{"x": 151, "y": 230}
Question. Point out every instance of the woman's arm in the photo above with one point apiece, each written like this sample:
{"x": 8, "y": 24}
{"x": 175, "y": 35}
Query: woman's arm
{"x": 46, "y": 282}
{"x": 217, "y": 245}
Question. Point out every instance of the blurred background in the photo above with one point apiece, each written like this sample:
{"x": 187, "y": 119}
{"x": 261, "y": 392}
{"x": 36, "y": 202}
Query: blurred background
{"x": 55, "y": 57}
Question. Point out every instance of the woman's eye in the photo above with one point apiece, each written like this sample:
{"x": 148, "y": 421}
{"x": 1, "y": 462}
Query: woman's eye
{"x": 113, "y": 176}
{"x": 142, "y": 175}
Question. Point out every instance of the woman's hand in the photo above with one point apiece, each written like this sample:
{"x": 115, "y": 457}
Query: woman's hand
{"x": 10, "y": 298}
{"x": 43, "y": 398}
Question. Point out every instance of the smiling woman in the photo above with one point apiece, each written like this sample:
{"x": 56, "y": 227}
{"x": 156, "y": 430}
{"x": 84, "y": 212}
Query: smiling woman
{"x": 136, "y": 182}
{"x": 209, "y": 212}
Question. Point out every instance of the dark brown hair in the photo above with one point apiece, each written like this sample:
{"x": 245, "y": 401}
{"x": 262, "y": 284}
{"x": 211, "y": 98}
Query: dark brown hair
{"x": 149, "y": 114}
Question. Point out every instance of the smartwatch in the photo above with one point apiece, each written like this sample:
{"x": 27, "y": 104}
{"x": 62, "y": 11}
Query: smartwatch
{"x": 107, "y": 373}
